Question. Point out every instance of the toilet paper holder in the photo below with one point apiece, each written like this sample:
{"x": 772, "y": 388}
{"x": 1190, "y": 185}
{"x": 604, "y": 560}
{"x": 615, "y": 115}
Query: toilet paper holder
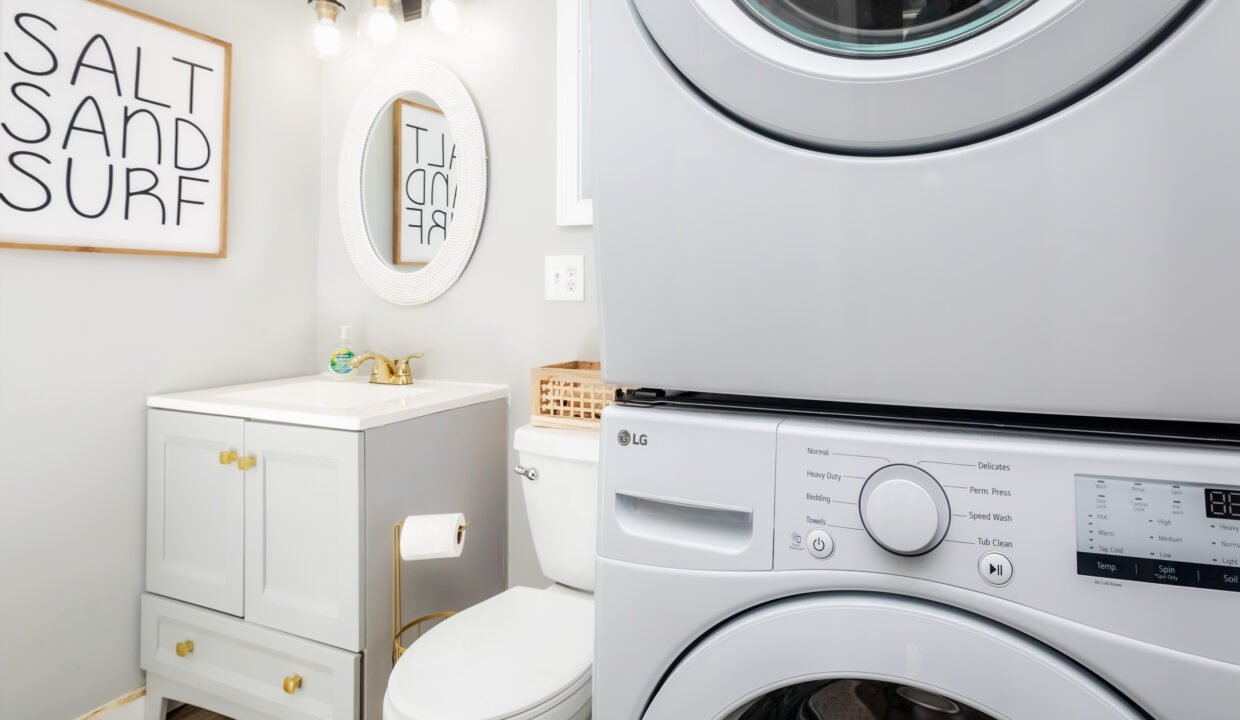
{"x": 399, "y": 627}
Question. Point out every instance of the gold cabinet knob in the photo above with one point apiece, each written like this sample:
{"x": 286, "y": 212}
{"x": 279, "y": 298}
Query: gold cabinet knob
{"x": 291, "y": 683}
{"x": 227, "y": 457}
{"x": 246, "y": 463}
{"x": 185, "y": 648}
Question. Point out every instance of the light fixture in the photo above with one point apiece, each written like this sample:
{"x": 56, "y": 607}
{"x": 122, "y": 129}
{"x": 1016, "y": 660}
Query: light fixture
{"x": 325, "y": 34}
{"x": 380, "y": 23}
{"x": 445, "y": 16}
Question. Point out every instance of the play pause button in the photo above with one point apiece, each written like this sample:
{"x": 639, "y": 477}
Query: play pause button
{"x": 995, "y": 569}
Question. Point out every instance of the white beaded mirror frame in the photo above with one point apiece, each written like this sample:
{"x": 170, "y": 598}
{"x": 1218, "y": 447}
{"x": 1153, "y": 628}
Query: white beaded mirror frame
{"x": 441, "y": 85}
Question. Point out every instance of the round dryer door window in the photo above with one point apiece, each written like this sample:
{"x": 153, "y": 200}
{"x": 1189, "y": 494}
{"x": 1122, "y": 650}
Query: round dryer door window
{"x": 893, "y": 77}
{"x": 878, "y": 28}
{"x": 859, "y": 656}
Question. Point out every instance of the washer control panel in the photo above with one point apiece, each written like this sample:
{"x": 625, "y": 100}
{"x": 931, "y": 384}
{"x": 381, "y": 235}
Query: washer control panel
{"x": 852, "y": 497}
{"x": 1158, "y": 531}
{"x": 1105, "y": 532}
{"x": 1005, "y": 513}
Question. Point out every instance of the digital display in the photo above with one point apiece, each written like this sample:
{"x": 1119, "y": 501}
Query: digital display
{"x": 1153, "y": 531}
{"x": 1223, "y": 504}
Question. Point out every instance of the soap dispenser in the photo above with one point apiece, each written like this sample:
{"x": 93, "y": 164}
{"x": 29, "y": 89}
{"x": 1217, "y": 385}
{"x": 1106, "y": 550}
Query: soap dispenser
{"x": 341, "y": 363}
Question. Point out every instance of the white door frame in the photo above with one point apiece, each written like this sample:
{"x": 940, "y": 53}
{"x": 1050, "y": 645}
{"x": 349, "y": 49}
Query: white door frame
{"x": 1047, "y": 54}
{"x": 881, "y": 637}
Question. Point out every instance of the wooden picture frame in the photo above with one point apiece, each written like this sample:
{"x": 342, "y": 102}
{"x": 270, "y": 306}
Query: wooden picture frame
{"x": 201, "y": 108}
{"x": 399, "y": 179}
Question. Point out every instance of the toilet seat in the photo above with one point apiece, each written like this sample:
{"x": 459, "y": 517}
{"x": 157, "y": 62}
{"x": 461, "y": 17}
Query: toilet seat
{"x": 573, "y": 704}
{"x": 524, "y": 653}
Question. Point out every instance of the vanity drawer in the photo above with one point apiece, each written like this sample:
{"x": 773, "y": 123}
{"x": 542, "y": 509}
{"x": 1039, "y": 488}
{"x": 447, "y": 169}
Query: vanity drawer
{"x": 248, "y": 664}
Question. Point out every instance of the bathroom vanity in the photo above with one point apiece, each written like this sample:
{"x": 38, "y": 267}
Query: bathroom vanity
{"x": 270, "y": 510}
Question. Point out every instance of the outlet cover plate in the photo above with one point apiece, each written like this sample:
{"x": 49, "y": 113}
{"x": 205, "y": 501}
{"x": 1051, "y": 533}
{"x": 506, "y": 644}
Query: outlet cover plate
{"x": 565, "y": 278}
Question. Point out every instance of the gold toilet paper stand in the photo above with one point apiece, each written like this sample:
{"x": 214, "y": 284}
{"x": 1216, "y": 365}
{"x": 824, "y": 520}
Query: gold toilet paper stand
{"x": 399, "y": 628}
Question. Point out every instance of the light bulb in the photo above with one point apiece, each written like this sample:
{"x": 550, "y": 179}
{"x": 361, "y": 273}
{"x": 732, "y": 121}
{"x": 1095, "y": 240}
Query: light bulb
{"x": 381, "y": 25}
{"x": 327, "y": 40}
{"x": 445, "y": 15}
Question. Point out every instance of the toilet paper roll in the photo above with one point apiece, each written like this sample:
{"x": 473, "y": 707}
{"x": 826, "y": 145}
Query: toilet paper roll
{"x": 426, "y": 537}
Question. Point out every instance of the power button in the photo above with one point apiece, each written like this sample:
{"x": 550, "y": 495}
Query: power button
{"x": 819, "y": 544}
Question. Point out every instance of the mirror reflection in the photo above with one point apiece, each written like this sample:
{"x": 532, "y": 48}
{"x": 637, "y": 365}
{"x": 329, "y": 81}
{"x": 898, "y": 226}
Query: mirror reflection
{"x": 409, "y": 183}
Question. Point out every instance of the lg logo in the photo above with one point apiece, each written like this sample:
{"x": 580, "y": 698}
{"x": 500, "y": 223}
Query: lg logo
{"x": 627, "y": 438}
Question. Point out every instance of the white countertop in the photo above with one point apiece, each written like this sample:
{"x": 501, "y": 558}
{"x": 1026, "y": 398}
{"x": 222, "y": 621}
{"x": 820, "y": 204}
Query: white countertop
{"x": 321, "y": 401}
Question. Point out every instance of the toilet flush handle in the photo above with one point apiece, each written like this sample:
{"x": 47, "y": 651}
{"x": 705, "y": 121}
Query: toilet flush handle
{"x": 530, "y": 473}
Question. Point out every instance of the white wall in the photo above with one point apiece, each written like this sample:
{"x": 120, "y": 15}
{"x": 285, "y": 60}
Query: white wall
{"x": 493, "y": 325}
{"x": 85, "y": 338}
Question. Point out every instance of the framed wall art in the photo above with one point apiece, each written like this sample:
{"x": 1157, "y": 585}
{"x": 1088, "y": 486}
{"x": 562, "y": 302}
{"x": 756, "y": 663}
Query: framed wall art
{"x": 107, "y": 143}
{"x": 424, "y": 166}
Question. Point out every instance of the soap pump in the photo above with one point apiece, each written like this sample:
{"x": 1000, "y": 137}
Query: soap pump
{"x": 341, "y": 360}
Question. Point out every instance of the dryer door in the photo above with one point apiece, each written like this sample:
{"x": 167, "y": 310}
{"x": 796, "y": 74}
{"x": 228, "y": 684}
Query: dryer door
{"x": 900, "y": 76}
{"x": 851, "y": 656}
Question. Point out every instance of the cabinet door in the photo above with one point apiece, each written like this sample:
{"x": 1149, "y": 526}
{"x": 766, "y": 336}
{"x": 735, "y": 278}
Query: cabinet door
{"x": 195, "y": 509}
{"x": 303, "y": 532}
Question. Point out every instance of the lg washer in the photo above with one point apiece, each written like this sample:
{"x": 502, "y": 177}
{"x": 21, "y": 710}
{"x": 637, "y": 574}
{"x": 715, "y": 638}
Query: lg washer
{"x": 756, "y": 566}
{"x": 1013, "y": 205}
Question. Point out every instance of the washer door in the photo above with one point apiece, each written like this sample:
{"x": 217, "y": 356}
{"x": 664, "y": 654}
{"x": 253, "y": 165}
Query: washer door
{"x": 847, "y": 656}
{"x": 900, "y": 76}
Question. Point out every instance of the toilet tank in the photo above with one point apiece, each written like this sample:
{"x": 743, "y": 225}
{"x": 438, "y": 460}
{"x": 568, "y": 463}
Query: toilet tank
{"x": 562, "y": 504}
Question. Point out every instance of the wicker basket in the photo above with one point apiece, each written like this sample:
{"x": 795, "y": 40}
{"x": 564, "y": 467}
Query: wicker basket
{"x": 569, "y": 395}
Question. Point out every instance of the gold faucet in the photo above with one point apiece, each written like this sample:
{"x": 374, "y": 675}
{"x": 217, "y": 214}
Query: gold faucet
{"x": 385, "y": 371}
{"x": 404, "y": 373}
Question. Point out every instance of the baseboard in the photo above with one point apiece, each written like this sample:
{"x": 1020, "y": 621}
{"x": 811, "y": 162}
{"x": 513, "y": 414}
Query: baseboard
{"x": 126, "y": 707}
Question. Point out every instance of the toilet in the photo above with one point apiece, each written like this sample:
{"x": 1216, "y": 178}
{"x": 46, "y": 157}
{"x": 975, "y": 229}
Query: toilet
{"x": 525, "y": 653}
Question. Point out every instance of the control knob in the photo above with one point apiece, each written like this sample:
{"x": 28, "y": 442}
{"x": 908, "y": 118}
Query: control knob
{"x": 905, "y": 510}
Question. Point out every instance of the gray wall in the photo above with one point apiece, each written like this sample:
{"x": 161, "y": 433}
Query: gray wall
{"x": 492, "y": 326}
{"x": 86, "y": 338}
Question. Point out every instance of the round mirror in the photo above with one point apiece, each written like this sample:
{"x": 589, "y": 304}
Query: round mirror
{"x": 412, "y": 187}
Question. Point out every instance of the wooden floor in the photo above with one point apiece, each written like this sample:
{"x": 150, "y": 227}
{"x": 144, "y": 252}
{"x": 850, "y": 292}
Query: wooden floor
{"x": 189, "y": 712}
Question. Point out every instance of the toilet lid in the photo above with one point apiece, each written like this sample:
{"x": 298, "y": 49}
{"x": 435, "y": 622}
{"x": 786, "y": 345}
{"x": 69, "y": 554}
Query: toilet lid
{"x": 502, "y": 657}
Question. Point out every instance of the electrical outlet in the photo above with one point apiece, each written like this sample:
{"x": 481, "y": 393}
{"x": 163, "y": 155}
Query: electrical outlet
{"x": 566, "y": 278}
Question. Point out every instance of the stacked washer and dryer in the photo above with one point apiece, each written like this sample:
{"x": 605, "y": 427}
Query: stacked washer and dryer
{"x": 933, "y": 307}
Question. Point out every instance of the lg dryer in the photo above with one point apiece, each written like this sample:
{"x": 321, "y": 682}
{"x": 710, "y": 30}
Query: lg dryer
{"x": 1017, "y": 205}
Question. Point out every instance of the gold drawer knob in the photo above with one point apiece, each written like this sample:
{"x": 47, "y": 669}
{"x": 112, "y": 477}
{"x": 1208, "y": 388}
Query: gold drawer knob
{"x": 185, "y": 648}
{"x": 227, "y": 457}
{"x": 291, "y": 684}
{"x": 246, "y": 463}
